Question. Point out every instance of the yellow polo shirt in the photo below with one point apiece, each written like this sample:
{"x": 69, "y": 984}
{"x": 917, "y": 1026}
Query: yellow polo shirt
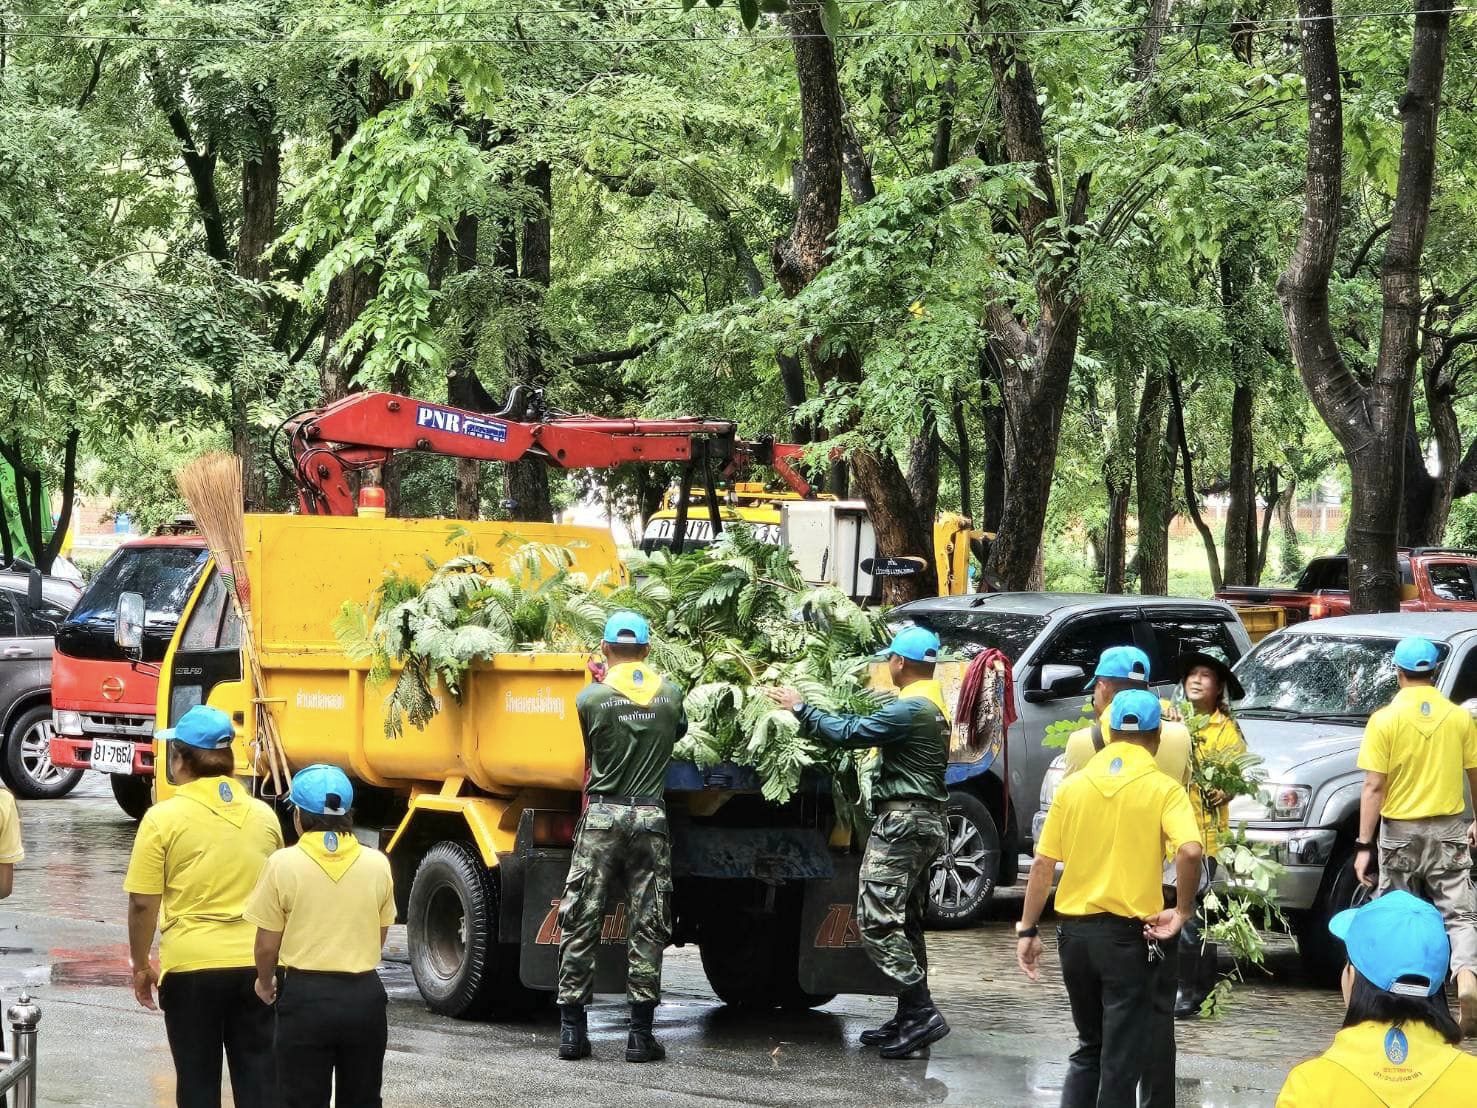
{"x": 201, "y": 851}
{"x": 1218, "y": 737}
{"x": 1423, "y": 743}
{"x": 11, "y": 850}
{"x": 328, "y": 896}
{"x": 1380, "y": 1065}
{"x": 1110, "y": 826}
{"x": 1174, "y": 747}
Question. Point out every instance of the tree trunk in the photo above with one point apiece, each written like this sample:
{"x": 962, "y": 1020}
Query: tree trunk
{"x": 1273, "y": 495}
{"x": 1152, "y": 475}
{"x": 1240, "y": 543}
{"x": 1178, "y": 437}
{"x": 992, "y": 495}
{"x": 923, "y": 466}
{"x": 261, "y": 175}
{"x": 958, "y": 414}
{"x": 1291, "y": 556}
{"x": 1369, "y": 422}
{"x": 901, "y": 529}
{"x": 1114, "y": 567}
{"x": 528, "y": 482}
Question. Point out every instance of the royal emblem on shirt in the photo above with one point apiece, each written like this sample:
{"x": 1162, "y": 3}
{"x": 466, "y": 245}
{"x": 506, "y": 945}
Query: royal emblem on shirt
{"x": 1115, "y": 767}
{"x": 1397, "y": 1048}
{"x": 330, "y": 841}
{"x": 225, "y": 790}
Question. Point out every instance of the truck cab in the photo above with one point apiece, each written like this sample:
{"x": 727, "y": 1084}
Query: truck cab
{"x": 103, "y": 700}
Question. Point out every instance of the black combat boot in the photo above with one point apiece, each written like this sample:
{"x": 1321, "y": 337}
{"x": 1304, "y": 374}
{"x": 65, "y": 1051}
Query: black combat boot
{"x": 919, "y": 1023}
{"x": 641, "y": 1044}
{"x": 1199, "y": 973}
{"x": 879, "y": 1035}
{"x": 574, "y": 1032}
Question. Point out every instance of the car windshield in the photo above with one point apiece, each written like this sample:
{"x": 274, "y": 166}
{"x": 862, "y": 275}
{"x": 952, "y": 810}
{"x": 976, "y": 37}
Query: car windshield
{"x": 969, "y": 633}
{"x": 162, "y": 575}
{"x": 1318, "y": 675}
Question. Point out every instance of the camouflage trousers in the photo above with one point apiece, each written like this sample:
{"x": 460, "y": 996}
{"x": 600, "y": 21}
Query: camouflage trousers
{"x": 1430, "y": 858}
{"x": 894, "y": 890}
{"x": 618, "y": 846}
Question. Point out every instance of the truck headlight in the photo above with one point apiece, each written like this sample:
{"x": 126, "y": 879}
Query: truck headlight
{"x": 67, "y": 723}
{"x": 1052, "y": 778}
{"x": 1278, "y": 802}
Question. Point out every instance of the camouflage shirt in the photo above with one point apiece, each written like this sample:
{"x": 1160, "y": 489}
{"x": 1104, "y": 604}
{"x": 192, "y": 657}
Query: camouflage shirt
{"x": 911, "y": 735}
{"x": 631, "y": 721}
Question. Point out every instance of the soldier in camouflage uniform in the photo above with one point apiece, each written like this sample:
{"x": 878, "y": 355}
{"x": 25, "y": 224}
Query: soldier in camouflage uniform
{"x": 912, "y": 735}
{"x": 630, "y": 720}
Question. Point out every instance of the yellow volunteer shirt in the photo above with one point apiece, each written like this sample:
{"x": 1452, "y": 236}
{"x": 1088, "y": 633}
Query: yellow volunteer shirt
{"x": 1218, "y": 737}
{"x": 1110, "y": 826}
{"x": 1379, "y": 1065}
{"x": 1422, "y": 742}
{"x": 202, "y": 851}
{"x": 1173, "y": 756}
{"x": 328, "y": 896}
{"x": 11, "y": 850}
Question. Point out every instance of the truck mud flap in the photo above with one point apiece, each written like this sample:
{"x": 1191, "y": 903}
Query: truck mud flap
{"x": 543, "y": 871}
{"x": 832, "y": 957}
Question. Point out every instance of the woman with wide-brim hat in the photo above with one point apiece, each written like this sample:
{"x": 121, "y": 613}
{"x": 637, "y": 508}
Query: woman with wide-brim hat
{"x": 1207, "y": 687}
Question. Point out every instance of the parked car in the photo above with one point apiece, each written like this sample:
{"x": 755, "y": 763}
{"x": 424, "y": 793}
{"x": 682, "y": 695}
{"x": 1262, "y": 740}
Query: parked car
{"x": 1432, "y": 579}
{"x": 1053, "y": 641}
{"x": 31, "y": 609}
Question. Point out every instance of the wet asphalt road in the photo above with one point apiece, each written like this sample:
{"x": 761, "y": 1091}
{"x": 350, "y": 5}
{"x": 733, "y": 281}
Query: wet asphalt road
{"x": 62, "y": 936}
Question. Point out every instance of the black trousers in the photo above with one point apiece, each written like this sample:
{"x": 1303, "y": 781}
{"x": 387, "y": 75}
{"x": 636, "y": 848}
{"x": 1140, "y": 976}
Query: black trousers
{"x": 1157, "y": 1085}
{"x": 205, "y": 1011}
{"x": 331, "y": 1035}
{"x": 1110, "y": 982}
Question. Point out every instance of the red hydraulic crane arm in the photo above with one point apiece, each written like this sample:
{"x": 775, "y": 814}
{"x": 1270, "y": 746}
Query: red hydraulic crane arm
{"x": 364, "y": 430}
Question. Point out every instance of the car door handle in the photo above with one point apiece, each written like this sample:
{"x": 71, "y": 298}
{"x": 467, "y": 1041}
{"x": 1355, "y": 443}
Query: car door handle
{"x": 17, "y": 652}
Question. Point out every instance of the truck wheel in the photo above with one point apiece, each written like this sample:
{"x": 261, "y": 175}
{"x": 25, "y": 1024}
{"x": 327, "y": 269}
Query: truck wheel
{"x": 753, "y": 959}
{"x": 963, "y": 879}
{"x": 134, "y": 794}
{"x": 460, "y": 967}
{"x": 27, "y": 764}
{"x": 1323, "y": 955}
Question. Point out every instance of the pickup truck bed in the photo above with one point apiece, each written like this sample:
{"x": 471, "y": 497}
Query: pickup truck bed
{"x": 1431, "y": 580}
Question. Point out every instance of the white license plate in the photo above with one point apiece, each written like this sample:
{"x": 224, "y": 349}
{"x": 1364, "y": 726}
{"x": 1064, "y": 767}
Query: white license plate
{"x": 112, "y": 755}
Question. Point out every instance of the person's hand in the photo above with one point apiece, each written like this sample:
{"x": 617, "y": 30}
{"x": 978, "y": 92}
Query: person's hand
{"x": 1362, "y": 858}
{"x": 597, "y": 668}
{"x": 1215, "y": 797}
{"x": 266, "y": 991}
{"x": 1170, "y": 714}
{"x": 1166, "y": 925}
{"x": 786, "y": 698}
{"x": 145, "y": 981}
{"x": 1472, "y": 835}
{"x": 1028, "y": 956}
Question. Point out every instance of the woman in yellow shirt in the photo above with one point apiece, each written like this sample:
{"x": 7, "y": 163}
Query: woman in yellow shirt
{"x": 1398, "y": 1047}
{"x": 1207, "y": 687}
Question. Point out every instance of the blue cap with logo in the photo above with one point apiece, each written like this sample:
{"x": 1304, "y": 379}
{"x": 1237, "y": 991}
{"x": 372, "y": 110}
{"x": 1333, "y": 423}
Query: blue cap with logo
{"x": 1134, "y": 710}
{"x": 627, "y": 627}
{"x": 1122, "y": 663}
{"x": 1396, "y": 936}
{"x": 202, "y": 727}
{"x": 917, "y": 644}
{"x": 1416, "y": 655}
{"x": 322, "y": 791}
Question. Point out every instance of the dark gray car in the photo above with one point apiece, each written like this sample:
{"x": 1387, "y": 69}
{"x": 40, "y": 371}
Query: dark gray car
{"x": 27, "y": 624}
{"x": 1053, "y": 641}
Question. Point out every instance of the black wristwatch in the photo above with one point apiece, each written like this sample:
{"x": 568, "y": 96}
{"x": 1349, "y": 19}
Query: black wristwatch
{"x": 1358, "y": 845}
{"x": 1027, "y": 932}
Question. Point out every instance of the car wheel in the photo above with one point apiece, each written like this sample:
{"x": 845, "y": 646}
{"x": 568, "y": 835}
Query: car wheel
{"x": 28, "y": 768}
{"x": 963, "y": 878}
{"x": 1323, "y": 954}
{"x": 133, "y": 794}
{"x": 752, "y": 960}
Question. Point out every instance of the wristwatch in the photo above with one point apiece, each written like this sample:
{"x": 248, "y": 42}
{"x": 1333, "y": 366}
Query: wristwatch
{"x": 1359, "y": 844}
{"x": 1027, "y": 932}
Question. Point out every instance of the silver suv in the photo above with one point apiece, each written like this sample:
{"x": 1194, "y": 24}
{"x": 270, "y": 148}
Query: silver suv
{"x": 31, "y": 608}
{"x": 1053, "y": 641}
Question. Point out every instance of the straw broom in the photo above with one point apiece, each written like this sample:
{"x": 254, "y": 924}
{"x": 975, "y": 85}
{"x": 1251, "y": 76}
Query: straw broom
{"x": 211, "y": 486}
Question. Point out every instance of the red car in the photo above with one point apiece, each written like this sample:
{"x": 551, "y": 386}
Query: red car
{"x": 1432, "y": 579}
{"x": 103, "y": 701}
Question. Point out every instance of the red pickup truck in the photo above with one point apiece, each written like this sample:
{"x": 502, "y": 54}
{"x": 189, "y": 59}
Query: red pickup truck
{"x": 1432, "y": 579}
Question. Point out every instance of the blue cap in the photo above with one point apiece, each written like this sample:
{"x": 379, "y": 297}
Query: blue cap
{"x": 627, "y": 627}
{"x": 322, "y": 791}
{"x": 917, "y": 644}
{"x": 1124, "y": 663}
{"x": 1416, "y": 655}
{"x": 201, "y": 727}
{"x": 1397, "y": 935}
{"x": 1134, "y": 710}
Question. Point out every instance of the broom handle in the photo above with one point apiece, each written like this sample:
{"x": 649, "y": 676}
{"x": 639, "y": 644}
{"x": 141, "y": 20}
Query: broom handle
{"x": 266, "y": 725}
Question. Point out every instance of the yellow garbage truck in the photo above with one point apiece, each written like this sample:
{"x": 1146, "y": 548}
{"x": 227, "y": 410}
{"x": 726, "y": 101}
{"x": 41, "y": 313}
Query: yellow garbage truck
{"x": 477, "y": 811}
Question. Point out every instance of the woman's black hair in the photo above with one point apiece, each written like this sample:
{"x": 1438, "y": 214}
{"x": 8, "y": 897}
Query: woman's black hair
{"x": 205, "y": 763}
{"x": 1368, "y": 1003}
{"x": 313, "y": 822}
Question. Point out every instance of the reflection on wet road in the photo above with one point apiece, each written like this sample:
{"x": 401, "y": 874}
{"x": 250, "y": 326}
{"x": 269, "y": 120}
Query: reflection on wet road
{"x": 62, "y": 936}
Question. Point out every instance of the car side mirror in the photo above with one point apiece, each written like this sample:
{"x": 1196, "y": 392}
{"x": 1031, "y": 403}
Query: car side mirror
{"x": 1057, "y": 681}
{"x": 128, "y": 624}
